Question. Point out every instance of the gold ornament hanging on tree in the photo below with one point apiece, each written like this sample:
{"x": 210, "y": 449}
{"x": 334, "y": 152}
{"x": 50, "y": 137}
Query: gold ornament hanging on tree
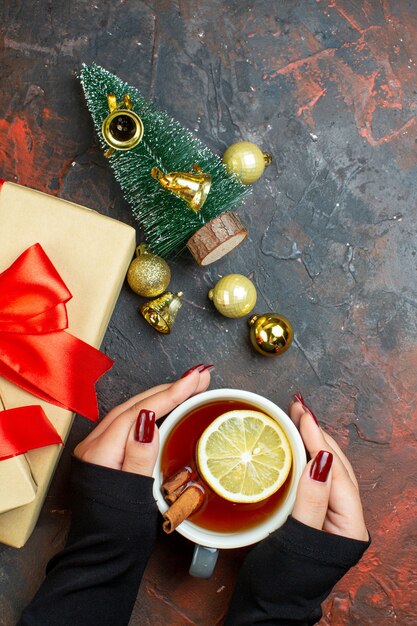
{"x": 161, "y": 312}
{"x": 246, "y": 160}
{"x": 271, "y": 334}
{"x": 192, "y": 187}
{"x": 234, "y": 295}
{"x": 123, "y": 128}
{"x": 148, "y": 274}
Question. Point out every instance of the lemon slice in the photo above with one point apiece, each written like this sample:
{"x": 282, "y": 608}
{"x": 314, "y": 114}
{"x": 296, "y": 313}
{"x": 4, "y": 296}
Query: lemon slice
{"x": 244, "y": 456}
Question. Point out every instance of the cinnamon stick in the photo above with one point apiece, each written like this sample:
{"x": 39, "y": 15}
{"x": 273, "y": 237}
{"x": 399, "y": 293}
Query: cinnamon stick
{"x": 174, "y": 495}
{"x": 176, "y": 481}
{"x": 187, "y": 503}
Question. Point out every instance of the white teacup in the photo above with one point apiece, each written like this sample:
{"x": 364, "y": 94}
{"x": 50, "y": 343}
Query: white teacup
{"x": 208, "y": 541}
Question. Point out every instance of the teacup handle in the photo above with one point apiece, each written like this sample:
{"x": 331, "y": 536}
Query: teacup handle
{"x": 203, "y": 562}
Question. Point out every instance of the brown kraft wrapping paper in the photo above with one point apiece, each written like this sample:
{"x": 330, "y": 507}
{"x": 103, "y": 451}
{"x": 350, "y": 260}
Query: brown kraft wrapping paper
{"x": 91, "y": 252}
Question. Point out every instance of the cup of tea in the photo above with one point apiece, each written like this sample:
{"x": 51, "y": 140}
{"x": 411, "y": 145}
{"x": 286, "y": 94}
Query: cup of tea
{"x": 219, "y": 523}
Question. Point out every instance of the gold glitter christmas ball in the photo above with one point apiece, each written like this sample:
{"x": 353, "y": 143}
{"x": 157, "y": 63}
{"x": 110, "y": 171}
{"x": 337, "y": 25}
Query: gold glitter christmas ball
{"x": 271, "y": 334}
{"x": 148, "y": 274}
{"x": 246, "y": 160}
{"x": 234, "y": 295}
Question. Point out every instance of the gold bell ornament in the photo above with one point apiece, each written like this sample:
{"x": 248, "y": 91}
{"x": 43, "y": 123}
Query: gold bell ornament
{"x": 122, "y": 129}
{"x": 271, "y": 334}
{"x": 148, "y": 274}
{"x": 161, "y": 312}
{"x": 192, "y": 187}
{"x": 234, "y": 295}
{"x": 246, "y": 160}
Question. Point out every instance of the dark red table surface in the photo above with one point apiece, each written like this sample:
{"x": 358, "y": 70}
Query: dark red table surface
{"x": 330, "y": 90}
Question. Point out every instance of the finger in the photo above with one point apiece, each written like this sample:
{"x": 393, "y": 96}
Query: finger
{"x": 331, "y": 442}
{"x": 314, "y": 440}
{"x": 335, "y": 446}
{"x": 296, "y": 411}
{"x": 142, "y": 447}
{"x": 118, "y": 410}
{"x": 313, "y": 491}
{"x": 121, "y": 408}
{"x": 140, "y": 397}
{"x": 113, "y": 440}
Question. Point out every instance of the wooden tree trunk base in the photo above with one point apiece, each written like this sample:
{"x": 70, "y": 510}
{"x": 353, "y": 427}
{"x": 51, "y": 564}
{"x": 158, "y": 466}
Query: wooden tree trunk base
{"x": 217, "y": 238}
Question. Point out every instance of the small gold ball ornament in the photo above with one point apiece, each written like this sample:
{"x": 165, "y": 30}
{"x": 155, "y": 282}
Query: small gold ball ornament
{"x": 148, "y": 274}
{"x": 234, "y": 295}
{"x": 246, "y": 160}
{"x": 271, "y": 334}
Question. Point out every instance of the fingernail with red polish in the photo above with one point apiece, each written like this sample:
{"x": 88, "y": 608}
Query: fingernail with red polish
{"x": 145, "y": 425}
{"x": 199, "y": 368}
{"x": 207, "y": 368}
{"x": 321, "y": 465}
{"x": 297, "y": 397}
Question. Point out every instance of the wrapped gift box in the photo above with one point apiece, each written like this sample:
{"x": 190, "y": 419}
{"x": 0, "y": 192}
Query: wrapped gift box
{"x": 17, "y": 486}
{"x": 91, "y": 252}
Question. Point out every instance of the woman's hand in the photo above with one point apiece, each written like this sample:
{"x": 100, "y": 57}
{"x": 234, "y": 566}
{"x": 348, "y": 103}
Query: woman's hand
{"x": 328, "y": 494}
{"x": 127, "y": 438}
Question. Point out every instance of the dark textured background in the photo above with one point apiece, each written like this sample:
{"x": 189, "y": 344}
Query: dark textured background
{"x": 329, "y": 88}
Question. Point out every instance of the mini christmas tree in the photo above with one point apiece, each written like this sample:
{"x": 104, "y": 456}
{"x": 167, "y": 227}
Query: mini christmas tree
{"x": 166, "y": 146}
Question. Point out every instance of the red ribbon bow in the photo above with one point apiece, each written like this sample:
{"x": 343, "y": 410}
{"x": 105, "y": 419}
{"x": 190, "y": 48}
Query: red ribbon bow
{"x": 35, "y": 351}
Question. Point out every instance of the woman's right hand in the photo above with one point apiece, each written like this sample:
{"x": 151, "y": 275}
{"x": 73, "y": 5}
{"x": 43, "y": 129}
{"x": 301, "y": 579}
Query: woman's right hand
{"x": 127, "y": 438}
{"x": 328, "y": 494}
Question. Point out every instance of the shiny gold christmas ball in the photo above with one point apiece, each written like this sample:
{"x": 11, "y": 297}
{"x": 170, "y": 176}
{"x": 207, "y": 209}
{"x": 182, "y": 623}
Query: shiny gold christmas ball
{"x": 234, "y": 295}
{"x": 246, "y": 160}
{"x": 271, "y": 334}
{"x": 148, "y": 274}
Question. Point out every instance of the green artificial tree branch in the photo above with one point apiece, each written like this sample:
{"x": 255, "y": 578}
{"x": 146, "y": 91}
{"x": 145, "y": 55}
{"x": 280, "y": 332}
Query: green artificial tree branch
{"x": 167, "y": 221}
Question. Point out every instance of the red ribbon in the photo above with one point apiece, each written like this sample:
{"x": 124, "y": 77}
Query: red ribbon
{"x": 23, "y": 429}
{"x": 35, "y": 351}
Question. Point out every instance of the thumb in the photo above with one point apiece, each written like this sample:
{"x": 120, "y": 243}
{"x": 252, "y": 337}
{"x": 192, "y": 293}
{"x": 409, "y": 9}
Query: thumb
{"x": 142, "y": 445}
{"x": 313, "y": 491}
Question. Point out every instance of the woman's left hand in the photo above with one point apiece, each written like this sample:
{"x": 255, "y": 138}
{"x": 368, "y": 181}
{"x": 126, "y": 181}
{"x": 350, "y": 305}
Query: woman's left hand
{"x": 328, "y": 495}
{"x": 127, "y": 438}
